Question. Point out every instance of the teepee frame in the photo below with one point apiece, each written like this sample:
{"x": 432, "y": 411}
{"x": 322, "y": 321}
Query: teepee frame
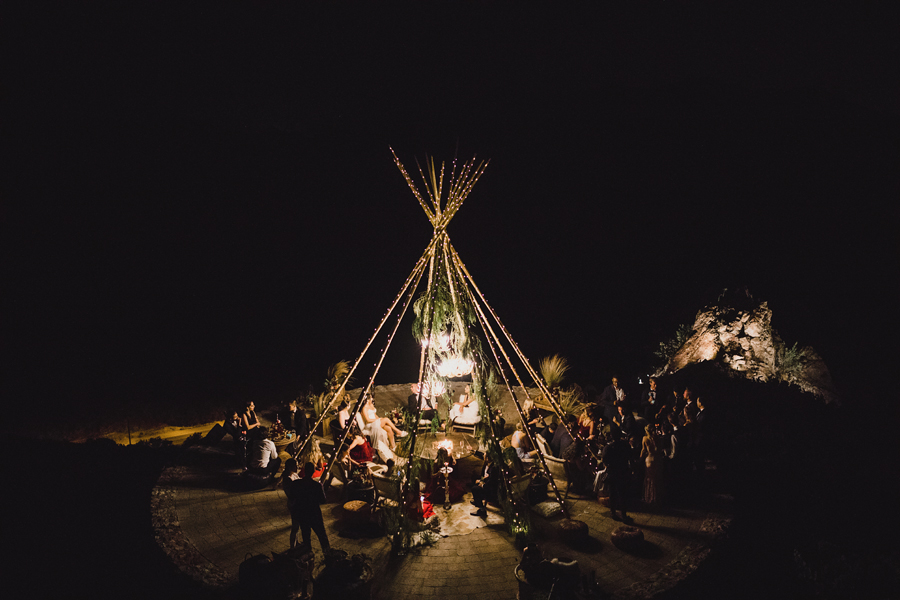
{"x": 440, "y": 259}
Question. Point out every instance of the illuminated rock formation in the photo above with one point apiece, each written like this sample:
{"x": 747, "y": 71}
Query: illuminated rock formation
{"x": 737, "y": 333}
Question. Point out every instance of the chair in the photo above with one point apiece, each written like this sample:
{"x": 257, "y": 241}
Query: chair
{"x": 337, "y": 472}
{"x": 386, "y": 490}
{"x": 463, "y": 427}
{"x": 467, "y": 419}
{"x": 557, "y": 466}
{"x": 518, "y": 487}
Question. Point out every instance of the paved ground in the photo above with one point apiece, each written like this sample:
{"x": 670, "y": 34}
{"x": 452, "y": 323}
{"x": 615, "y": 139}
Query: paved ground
{"x": 209, "y": 528}
{"x": 224, "y": 525}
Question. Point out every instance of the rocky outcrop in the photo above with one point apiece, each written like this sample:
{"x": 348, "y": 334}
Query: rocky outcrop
{"x": 737, "y": 333}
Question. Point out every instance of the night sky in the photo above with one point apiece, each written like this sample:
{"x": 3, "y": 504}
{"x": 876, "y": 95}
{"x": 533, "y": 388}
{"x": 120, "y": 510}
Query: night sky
{"x": 200, "y": 203}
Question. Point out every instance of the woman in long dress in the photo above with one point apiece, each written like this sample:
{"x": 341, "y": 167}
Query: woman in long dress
{"x": 372, "y": 422}
{"x": 653, "y": 455}
{"x": 465, "y": 410}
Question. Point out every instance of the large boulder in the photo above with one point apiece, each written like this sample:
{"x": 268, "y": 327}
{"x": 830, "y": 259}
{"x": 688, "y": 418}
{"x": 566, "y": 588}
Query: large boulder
{"x": 737, "y": 333}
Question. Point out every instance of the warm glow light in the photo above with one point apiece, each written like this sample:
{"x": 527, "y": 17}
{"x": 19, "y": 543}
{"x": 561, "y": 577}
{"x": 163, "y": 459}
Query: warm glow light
{"x": 446, "y": 445}
{"x": 455, "y": 367}
{"x": 443, "y": 342}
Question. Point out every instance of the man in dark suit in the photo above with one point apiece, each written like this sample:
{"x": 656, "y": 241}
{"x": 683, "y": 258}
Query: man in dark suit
{"x": 428, "y": 410}
{"x": 653, "y": 403}
{"x": 295, "y": 420}
{"x": 561, "y": 438}
{"x": 625, "y": 421}
{"x": 615, "y": 457}
{"x": 611, "y": 394}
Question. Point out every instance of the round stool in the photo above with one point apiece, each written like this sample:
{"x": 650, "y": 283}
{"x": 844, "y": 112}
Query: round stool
{"x": 357, "y": 512}
{"x": 627, "y": 538}
{"x": 572, "y": 531}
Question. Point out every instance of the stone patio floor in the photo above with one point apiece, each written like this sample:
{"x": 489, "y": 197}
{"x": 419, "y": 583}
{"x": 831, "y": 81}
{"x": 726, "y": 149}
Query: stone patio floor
{"x": 208, "y": 530}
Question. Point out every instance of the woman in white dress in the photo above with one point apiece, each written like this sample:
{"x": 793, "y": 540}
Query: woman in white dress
{"x": 372, "y": 423}
{"x": 465, "y": 410}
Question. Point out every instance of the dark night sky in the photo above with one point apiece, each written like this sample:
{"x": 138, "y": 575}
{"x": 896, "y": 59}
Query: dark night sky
{"x": 202, "y": 203}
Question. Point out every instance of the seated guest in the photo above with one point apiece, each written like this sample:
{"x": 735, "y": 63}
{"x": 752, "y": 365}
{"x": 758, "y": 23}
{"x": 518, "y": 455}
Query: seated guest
{"x": 549, "y": 431}
{"x": 234, "y": 426}
{"x": 587, "y": 424}
{"x": 429, "y": 411}
{"x": 466, "y": 409}
{"x": 577, "y": 466}
{"x": 485, "y": 489}
{"x": 263, "y": 454}
{"x": 372, "y": 423}
{"x": 358, "y": 452}
{"x": 522, "y": 444}
{"x": 434, "y": 489}
{"x": 533, "y": 417}
{"x": 343, "y": 414}
{"x": 312, "y": 453}
{"x": 561, "y": 439}
{"x": 248, "y": 418}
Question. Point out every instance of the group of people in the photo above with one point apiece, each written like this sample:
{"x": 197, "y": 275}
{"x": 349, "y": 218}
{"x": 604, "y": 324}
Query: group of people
{"x": 254, "y": 451}
{"x": 645, "y": 449}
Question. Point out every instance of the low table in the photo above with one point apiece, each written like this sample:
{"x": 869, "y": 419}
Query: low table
{"x": 427, "y": 444}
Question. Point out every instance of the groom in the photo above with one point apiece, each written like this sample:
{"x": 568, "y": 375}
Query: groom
{"x": 428, "y": 409}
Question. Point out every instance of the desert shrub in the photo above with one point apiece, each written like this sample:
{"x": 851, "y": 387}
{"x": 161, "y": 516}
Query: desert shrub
{"x": 668, "y": 348}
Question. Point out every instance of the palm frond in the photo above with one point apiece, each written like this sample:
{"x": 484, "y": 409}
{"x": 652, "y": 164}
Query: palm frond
{"x": 337, "y": 372}
{"x": 553, "y": 370}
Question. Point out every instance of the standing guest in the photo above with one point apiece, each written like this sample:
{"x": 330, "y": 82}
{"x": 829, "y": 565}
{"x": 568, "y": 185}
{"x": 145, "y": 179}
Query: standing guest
{"x": 611, "y": 394}
{"x": 295, "y": 420}
{"x": 306, "y": 495}
{"x": 234, "y": 426}
{"x": 263, "y": 454}
{"x": 654, "y": 456}
{"x": 616, "y": 458}
{"x": 652, "y": 403}
{"x": 625, "y": 421}
{"x": 288, "y": 476}
{"x": 249, "y": 417}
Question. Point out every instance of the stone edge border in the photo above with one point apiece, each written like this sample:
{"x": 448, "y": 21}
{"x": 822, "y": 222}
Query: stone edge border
{"x": 171, "y": 539}
{"x": 683, "y": 565}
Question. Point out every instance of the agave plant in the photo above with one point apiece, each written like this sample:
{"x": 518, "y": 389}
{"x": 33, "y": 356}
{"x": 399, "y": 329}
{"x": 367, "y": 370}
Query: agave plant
{"x": 571, "y": 400}
{"x": 553, "y": 370}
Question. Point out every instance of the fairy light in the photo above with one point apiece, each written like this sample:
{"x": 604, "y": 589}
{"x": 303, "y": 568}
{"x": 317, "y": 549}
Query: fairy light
{"x": 487, "y": 328}
{"x": 415, "y": 274}
{"x": 460, "y": 180}
{"x": 556, "y": 407}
